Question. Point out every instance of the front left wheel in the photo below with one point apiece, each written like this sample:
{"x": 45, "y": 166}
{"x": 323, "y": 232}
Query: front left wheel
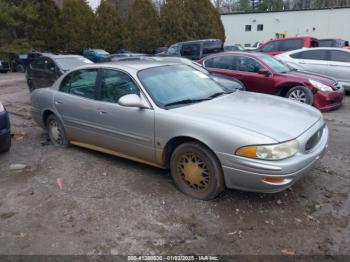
{"x": 196, "y": 171}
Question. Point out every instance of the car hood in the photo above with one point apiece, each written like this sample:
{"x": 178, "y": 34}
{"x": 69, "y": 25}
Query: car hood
{"x": 274, "y": 117}
{"x": 305, "y": 76}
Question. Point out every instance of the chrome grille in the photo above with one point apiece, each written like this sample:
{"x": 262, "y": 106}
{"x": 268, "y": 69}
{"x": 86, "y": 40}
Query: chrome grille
{"x": 314, "y": 140}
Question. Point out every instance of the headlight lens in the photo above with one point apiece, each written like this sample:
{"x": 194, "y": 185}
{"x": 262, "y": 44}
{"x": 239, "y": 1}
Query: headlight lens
{"x": 320, "y": 86}
{"x": 2, "y": 108}
{"x": 270, "y": 152}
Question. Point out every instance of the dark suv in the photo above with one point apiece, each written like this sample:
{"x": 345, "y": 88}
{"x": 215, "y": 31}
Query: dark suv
{"x": 4, "y": 63}
{"x": 197, "y": 49}
{"x": 45, "y": 69}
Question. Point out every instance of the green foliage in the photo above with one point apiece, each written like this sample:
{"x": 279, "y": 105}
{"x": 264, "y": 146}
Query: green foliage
{"x": 190, "y": 19}
{"x": 109, "y": 30}
{"x": 77, "y": 22}
{"x": 46, "y": 33}
{"x": 143, "y": 27}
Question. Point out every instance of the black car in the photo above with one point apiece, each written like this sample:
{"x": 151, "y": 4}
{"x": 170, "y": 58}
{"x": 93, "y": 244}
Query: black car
{"x": 20, "y": 62}
{"x": 197, "y": 49}
{"x": 47, "y": 68}
{"x": 4, "y": 63}
{"x": 5, "y": 132}
{"x": 331, "y": 42}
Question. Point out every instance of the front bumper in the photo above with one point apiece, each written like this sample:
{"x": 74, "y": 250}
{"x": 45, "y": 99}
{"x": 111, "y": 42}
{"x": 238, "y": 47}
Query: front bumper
{"x": 327, "y": 101}
{"x": 249, "y": 174}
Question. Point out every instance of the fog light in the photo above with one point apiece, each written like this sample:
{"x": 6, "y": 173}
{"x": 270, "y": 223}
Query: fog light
{"x": 274, "y": 180}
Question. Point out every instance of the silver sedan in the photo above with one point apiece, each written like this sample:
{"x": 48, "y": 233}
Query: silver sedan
{"x": 328, "y": 61}
{"x": 174, "y": 117}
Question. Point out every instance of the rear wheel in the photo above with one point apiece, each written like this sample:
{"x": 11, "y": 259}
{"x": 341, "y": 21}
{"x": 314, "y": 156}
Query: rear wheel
{"x": 56, "y": 132}
{"x": 301, "y": 94}
{"x": 196, "y": 171}
{"x": 20, "y": 68}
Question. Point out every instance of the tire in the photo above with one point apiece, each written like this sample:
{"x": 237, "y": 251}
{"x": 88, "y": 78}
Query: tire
{"x": 30, "y": 86}
{"x": 196, "y": 171}
{"x": 56, "y": 132}
{"x": 20, "y": 68}
{"x": 7, "y": 145}
{"x": 301, "y": 94}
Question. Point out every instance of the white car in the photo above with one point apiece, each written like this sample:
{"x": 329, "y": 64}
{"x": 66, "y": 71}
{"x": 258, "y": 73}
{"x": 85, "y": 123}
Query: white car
{"x": 332, "y": 62}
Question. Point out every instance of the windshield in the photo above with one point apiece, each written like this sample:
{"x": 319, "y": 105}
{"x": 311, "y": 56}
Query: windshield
{"x": 178, "y": 84}
{"x": 69, "y": 63}
{"x": 101, "y": 52}
{"x": 274, "y": 64}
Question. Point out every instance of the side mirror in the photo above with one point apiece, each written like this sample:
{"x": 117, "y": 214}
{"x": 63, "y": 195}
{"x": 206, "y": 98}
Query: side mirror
{"x": 264, "y": 71}
{"x": 133, "y": 100}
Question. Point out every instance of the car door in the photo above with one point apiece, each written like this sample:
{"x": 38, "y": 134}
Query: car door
{"x": 243, "y": 68}
{"x": 35, "y": 72}
{"x": 312, "y": 60}
{"x": 49, "y": 74}
{"x": 339, "y": 65}
{"x": 126, "y": 130}
{"x": 75, "y": 101}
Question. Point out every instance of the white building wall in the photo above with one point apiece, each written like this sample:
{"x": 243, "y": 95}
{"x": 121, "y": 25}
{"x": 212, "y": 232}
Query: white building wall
{"x": 327, "y": 23}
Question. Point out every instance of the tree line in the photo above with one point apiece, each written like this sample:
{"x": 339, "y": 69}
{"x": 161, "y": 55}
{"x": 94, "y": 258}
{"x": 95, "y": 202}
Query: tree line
{"x": 225, "y": 6}
{"x": 74, "y": 26}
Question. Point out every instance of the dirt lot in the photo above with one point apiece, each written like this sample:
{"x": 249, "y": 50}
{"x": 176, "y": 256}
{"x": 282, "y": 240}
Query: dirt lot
{"x": 113, "y": 206}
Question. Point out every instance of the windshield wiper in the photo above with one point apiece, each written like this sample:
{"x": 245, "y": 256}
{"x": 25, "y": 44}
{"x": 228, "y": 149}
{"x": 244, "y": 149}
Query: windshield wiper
{"x": 186, "y": 101}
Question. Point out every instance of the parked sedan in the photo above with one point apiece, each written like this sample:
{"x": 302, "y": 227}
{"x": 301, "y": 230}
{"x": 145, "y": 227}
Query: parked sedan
{"x": 172, "y": 116}
{"x": 5, "y": 134}
{"x": 47, "y": 68}
{"x": 264, "y": 74}
{"x": 332, "y": 62}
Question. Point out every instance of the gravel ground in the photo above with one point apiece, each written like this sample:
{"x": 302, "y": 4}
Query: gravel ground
{"x": 108, "y": 205}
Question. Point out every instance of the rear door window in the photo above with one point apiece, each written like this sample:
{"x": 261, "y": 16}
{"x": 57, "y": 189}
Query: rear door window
{"x": 38, "y": 64}
{"x": 80, "y": 83}
{"x": 116, "y": 84}
{"x": 311, "y": 55}
{"x": 292, "y": 44}
{"x": 340, "y": 56}
{"x": 221, "y": 62}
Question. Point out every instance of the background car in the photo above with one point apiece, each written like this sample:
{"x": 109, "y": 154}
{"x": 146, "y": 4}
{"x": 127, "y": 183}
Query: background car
{"x": 332, "y": 42}
{"x": 5, "y": 130}
{"x": 172, "y": 116}
{"x": 233, "y": 48}
{"x": 279, "y": 46}
{"x": 122, "y": 57}
{"x": 95, "y": 55}
{"x": 20, "y": 62}
{"x": 45, "y": 69}
{"x": 197, "y": 49}
{"x": 265, "y": 74}
{"x": 332, "y": 62}
{"x": 4, "y": 63}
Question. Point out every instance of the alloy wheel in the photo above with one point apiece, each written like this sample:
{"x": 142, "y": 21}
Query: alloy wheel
{"x": 298, "y": 95}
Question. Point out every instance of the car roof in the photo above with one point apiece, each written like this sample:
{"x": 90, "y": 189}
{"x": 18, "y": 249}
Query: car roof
{"x": 239, "y": 53}
{"x": 197, "y": 41}
{"x": 55, "y": 56}
{"x": 135, "y": 66}
{"x": 316, "y": 48}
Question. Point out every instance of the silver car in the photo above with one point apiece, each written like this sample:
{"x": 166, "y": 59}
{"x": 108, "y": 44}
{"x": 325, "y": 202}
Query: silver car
{"x": 174, "y": 117}
{"x": 332, "y": 62}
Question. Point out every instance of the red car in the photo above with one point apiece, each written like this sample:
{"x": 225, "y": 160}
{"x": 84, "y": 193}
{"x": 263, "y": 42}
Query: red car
{"x": 279, "y": 46}
{"x": 264, "y": 74}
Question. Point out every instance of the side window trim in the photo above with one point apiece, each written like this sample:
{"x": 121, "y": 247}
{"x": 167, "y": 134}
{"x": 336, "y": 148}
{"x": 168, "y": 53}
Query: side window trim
{"x": 98, "y": 70}
{"x": 99, "y": 88}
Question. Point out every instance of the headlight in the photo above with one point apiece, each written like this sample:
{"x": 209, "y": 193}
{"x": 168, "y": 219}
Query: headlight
{"x": 2, "y": 108}
{"x": 320, "y": 86}
{"x": 270, "y": 152}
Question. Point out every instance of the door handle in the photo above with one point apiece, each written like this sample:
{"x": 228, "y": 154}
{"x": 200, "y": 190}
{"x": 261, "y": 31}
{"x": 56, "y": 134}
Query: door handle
{"x": 102, "y": 112}
{"x": 57, "y": 102}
